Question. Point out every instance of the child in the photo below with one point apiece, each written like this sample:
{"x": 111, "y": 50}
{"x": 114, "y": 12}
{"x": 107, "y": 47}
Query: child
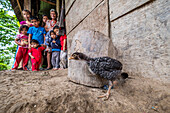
{"x": 27, "y": 16}
{"x": 55, "y": 45}
{"x": 22, "y": 41}
{"x": 63, "y": 53}
{"x": 44, "y": 20}
{"x": 36, "y": 32}
{"x": 35, "y": 54}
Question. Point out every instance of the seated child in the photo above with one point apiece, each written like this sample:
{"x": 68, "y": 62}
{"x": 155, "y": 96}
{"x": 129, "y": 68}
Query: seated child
{"x": 56, "y": 46}
{"x": 22, "y": 41}
{"x": 36, "y": 54}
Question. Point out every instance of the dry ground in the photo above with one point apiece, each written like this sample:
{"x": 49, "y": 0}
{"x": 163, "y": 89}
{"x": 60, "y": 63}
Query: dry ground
{"x": 52, "y": 92}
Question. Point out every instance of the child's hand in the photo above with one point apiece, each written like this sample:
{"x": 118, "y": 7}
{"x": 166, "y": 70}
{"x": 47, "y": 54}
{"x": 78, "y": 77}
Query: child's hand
{"x": 54, "y": 41}
{"x": 32, "y": 57}
{"x": 43, "y": 45}
{"x": 23, "y": 44}
{"x": 29, "y": 46}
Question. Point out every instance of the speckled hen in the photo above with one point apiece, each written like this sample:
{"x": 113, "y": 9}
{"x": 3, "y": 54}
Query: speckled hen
{"x": 105, "y": 67}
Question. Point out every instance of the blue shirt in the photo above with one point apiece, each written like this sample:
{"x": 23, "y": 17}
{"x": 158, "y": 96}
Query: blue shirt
{"x": 57, "y": 45}
{"x": 37, "y": 33}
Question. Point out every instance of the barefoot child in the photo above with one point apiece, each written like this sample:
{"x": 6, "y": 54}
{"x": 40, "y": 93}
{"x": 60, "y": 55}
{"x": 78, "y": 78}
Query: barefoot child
{"x": 56, "y": 48}
{"x": 36, "y": 54}
{"x": 22, "y": 41}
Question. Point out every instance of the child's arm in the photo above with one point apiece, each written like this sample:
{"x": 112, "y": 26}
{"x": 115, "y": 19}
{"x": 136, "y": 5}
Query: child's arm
{"x": 29, "y": 40}
{"x": 44, "y": 38}
{"x": 29, "y": 53}
{"x": 64, "y": 45}
{"x": 16, "y": 41}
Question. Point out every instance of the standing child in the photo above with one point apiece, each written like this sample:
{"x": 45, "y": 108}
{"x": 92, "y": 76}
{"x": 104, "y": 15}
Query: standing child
{"x": 63, "y": 53}
{"x": 36, "y": 54}
{"x": 36, "y": 32}
{"x": 22, "y": 41}
{"x": 55, "y": 45}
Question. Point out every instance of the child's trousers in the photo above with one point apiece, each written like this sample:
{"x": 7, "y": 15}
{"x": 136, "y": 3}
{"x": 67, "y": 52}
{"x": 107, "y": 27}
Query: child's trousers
{"x": 63, "y": 59}
{"x": 55, "y": 60}
{"x": 35, "y": 64}
{"x": 21, "y": 54}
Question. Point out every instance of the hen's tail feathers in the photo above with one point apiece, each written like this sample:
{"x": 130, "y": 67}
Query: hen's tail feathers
{"x": 124, "y": 75}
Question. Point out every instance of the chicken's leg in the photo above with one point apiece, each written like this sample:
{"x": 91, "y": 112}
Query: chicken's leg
{"x": 108, "y": 91}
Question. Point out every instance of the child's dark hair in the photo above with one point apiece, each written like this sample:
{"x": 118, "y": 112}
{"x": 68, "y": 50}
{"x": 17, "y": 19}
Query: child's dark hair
{"x": 43, "y": 23}
{"x": 34, "y": 41}
{"x": 52, "y": 32}
{"x": 34, "y": 17}
{"x": 28, "y": 12}
{"x": 21, "y": 28}
{"x": 44, "y": 15}
{"x": 56, "y": 27}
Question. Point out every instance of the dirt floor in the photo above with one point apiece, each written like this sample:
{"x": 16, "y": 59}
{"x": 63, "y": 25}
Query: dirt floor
{"x": 52, "y": 92}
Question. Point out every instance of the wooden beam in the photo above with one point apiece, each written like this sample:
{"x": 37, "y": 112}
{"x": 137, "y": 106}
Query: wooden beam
{"x": 27, "y": 5}
{"x": 48, "y": 2}
{"x": 58, "y": 7}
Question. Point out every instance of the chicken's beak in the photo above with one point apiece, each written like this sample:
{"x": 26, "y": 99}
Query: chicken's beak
{"x": 71, "y": 58}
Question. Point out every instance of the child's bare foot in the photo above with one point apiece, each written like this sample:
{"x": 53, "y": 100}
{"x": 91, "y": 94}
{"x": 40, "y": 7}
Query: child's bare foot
{"x": 55, "y": 68}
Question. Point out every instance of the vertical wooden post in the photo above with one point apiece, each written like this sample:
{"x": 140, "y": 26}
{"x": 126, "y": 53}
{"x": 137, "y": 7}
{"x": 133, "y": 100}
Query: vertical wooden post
{"x": 27, "y": 4}
{"x": 58, "y": 7}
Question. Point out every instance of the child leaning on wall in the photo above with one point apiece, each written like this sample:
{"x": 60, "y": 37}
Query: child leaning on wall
{"x": 36, "y": 54}
{"x": 22, "y": 53}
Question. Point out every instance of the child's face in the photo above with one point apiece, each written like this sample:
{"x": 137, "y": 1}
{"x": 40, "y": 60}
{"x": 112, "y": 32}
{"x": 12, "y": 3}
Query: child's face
{"x": 56, "y": 31}
{"x": 34, "y": 45}
{"x": 35, "y": 23}
{"x": 45, "y": 18}
{"x": 53, "y": 36}
{"x": 24, "y": 31}
{"x": 26, "y": 15}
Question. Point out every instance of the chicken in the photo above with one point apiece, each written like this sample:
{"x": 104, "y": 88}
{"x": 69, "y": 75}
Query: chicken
{"x": 105, "y": 67}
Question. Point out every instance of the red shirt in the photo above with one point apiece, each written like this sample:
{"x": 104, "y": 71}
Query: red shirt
{"x": 36, "y": 52}
{"x": 62, "y": 42}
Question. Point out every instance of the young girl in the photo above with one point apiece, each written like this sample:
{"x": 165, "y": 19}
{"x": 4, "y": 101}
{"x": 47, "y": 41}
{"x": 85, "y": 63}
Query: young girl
{"x": 44, "y": 20}
{"x": 27, "y": 16}
{"x": 22, "y": 41}
{"x": 36, "y": 54}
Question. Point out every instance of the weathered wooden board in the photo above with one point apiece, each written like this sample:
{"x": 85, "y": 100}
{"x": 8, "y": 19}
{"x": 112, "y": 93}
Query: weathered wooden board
{"x": 120, "y": 7}
{"x": 142, "y": 39}
{"x": 68, "y": 4}
{"x": 79, "y": 10}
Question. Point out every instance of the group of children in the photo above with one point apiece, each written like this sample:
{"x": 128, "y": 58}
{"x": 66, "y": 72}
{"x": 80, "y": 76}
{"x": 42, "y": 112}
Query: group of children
{"x": 34, "y": 40}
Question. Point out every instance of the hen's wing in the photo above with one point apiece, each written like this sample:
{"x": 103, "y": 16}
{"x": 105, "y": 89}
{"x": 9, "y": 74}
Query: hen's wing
{"x": 105, "y": 67}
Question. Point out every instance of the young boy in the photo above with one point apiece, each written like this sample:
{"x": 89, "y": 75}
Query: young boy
{"x": 36, "y": 32}
{"x": 56, "y": 48}
{"x": 35, "y": 54}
